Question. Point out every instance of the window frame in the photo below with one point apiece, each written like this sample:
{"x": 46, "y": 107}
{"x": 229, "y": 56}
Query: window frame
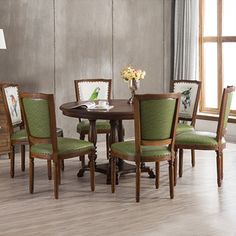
{"x": 219, "y": 40}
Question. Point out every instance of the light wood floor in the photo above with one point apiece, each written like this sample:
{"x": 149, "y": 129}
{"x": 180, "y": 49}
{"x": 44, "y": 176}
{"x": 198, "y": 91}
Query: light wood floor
{"x": 199, "y": 206}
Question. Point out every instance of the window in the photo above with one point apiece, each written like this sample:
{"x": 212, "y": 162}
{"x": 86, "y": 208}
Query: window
{"x": 217, "y": 51}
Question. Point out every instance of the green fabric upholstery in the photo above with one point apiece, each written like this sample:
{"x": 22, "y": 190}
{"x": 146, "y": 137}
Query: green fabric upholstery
{"x": 197, "y": 138}
{"x": 227, "y": 109}
{"x": 19, "y": 135}
{"x": 65, "y": 146}
{"x": 148, "y": 152}
{"x": 156, "y": 125}
{"x": 83, "y": 126}
{"x": 184, "y": 128}
{"x": 37, "y": 114}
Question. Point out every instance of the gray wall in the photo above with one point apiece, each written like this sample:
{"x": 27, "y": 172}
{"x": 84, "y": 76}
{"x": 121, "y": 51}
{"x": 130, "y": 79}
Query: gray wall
{"x": 91, "y": 39}
{"x": 28, "y": 28}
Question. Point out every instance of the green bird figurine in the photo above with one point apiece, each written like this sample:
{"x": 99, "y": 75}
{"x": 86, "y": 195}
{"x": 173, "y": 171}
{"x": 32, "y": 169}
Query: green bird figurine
{"x": 94, "y": 95}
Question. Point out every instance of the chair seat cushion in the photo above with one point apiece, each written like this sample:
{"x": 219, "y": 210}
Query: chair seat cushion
{"x": 184, "y": 128}
{"x": 197, "y": 138}
{"x": 19, "y": 135}
{"x": 83, "y": 126}
{"x": 148, "y": 152}
{"x": 65, "y": 146}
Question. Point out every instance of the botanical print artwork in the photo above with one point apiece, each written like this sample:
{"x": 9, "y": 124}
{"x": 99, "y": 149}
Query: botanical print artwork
{"x": 13, "y": 104}
{"x": 188, "y": 93}
{"x": 93, "y": 90}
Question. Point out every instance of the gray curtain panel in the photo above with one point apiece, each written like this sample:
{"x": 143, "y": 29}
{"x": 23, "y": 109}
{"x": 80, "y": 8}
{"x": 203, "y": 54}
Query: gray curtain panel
{"x": 186, "y": 39}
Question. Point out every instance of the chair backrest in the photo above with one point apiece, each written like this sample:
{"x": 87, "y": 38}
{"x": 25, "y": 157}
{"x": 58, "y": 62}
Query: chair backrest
{"x": 40, "y": 119}
{"x": 93, "y": 89}
{"x": 156, "y": 117}
{"x": 12, "y": 105}
{"x": 190, "y": 94}
{"x": 226, "y": 101}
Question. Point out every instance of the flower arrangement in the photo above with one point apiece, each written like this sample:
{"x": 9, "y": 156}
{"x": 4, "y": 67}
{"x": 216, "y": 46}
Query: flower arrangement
{"x": 130, "y": 73}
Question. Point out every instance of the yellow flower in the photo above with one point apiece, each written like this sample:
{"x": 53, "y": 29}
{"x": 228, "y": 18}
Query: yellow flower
{"x": 130, "y": 73}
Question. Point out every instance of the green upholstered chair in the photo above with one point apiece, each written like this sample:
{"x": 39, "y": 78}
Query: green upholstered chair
{"x": 190, "y": 94}
{"x": 156, "y": 117}
{"x": 16, "y": 125}
{"x": 93, "y": 89}
{"x": 195, "y": 140}
{"x": 39, "y": 113}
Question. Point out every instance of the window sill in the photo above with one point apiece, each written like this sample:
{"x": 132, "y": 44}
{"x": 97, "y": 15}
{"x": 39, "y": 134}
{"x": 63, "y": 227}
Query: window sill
{"x": 214, "y": 117}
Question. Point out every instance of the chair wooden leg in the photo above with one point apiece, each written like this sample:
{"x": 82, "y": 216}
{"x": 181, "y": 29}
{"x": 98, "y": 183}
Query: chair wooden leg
{"x": 82, "y": 158}
{"x": 107, "y": 145}
{"x": 113, "y": 174}
{"x": 92, "y": 171}
{"x": 62, "y": 165}
{"x": 12, "y": 160}
{"x": 49, "y": 169}
{"x": 222, "y": 166}
{"x": 171, "y": 179}
{"x": 56, "y": 179}
{"x": 62, "y": 161}
{"x": 138, "y": 174}
{"x": 175, "y": 167}
{"x": 180, "y": 162}
{"x": 31, "y": 175}
{"x": 23, "y": 157}
{"x": 157, "y": 174}
{"x": 193, "y": 157}
{"x": 59, "y": 172}
{"x": 218, "y": 164}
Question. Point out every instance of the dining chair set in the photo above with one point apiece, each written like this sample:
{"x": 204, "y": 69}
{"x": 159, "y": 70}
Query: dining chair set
{"x": 17, "y": 130}
{"x": 158, "y": 137}
{"x": 163, "y": 125}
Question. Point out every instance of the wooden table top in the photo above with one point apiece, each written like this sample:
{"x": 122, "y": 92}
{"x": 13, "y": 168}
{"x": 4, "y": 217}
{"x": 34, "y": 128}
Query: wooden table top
{"x": 121, "y": 111}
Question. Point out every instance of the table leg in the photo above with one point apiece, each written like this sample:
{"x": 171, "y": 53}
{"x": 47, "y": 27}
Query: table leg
{"x": 113, "y": 139}
{"x": 92, "y": 137}
{"x": 120, "y": 139}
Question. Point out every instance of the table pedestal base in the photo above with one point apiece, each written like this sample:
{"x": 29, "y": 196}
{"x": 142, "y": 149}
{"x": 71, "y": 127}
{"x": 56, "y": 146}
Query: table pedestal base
{"x": 122, "y": 169}
{"x": 116, "y": 135}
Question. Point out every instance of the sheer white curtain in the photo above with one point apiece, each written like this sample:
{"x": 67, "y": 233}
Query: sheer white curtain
{"x": 186, "y": 39}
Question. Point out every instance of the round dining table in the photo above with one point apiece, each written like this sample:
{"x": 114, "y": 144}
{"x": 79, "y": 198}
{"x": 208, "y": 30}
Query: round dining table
{"x": 121, "y": 110}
